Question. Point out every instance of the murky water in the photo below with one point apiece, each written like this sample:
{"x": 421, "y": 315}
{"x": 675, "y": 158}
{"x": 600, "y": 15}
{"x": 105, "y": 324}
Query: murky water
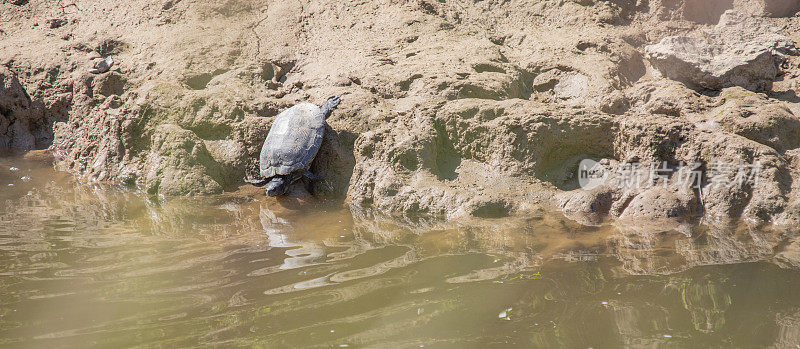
{"x": 84, "y": 266}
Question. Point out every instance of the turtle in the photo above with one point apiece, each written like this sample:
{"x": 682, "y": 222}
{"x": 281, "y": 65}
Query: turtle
{"x": 291, "y": 145}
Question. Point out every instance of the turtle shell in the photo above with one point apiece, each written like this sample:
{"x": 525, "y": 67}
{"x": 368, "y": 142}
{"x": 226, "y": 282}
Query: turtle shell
{"x": 293, "y": 140}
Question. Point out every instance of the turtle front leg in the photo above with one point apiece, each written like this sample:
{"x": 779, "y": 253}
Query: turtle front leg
{"x": 311, "y": 179}
{"x": 311, "y": 176}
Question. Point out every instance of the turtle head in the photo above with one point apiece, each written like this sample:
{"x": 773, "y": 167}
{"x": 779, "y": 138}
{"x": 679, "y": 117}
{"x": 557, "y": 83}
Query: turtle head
{"x": 277, "y": 186}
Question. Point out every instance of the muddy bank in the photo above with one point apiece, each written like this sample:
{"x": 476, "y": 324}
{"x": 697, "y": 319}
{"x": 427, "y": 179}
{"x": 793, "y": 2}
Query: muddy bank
{"x": 454, "y": 109}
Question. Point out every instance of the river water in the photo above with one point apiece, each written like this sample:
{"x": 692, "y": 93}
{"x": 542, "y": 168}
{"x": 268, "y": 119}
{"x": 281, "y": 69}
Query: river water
{"x": 92, "y": 266}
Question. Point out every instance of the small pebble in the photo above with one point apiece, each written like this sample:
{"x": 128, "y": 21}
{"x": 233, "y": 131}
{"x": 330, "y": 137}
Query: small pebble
{"x": 504, "y": 314}
{"x": 13, "y": 169}
{"x": 25, "y": 179}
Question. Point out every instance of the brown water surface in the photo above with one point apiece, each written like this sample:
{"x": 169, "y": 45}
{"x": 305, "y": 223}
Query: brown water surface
{"x": 94, "y": 266}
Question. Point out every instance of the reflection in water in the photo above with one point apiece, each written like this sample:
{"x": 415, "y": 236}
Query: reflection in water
{"x": 104, "y": 266}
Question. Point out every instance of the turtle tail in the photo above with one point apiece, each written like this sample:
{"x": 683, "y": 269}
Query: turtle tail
{"x": 330, "y": 105}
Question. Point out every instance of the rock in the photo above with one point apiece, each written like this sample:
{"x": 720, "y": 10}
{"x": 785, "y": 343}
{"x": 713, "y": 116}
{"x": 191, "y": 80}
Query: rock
{"x": 589, "y": 207}
{"x": 24, "y": 124}
{"x": 13, "y": 102}
{"x": 755, "y": 117}
{"x": 546, "y": 81}
{"x": 572, "y": 87}
{"x": 704, "y": 11}
{"x": 739, "y": 51}
{"x": 180, "y": 164}
{"x": 770, "y": 8}
{"x": 662, "y": 202}
{"x": 54, "y": 23}
{"x": 781, "y": 8}
{"x": 709, "y": 11}
{"x": 668, "y": 97}
{"x": 102, "y": 66}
